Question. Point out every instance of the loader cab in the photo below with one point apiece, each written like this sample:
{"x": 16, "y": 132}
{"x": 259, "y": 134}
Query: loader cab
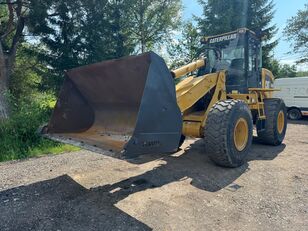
{"x": 239, "y": 53}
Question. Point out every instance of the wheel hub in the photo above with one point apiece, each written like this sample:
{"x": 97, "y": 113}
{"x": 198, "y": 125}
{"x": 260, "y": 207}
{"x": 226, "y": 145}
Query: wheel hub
{"x": 280, "y": 122}
{"x": 241, "y": 134}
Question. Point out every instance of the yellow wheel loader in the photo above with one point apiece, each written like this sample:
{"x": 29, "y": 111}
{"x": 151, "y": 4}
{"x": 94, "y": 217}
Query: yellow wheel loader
{"x": 131, "y": 106}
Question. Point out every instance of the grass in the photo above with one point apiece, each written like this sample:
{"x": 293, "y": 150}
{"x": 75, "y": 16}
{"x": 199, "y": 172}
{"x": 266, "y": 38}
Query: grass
{"x": 19, "y": 137}
{"x": 50, "y": 147}
{"x": 45, "y": 147}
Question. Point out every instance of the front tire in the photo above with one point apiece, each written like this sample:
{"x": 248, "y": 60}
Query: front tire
{"x": 228, "y": 133}
{"x": 274, "y": 131}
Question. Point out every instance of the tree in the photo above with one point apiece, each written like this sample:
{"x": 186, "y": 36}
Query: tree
{"x": 80, "y": 32}
{"x": 274, "y": 66}
{"x": 106, "y": 29}
{"x": 297, "y": 31}
{"x": 221, "y": 16}
{"x": 26, "y": 78}
{"x": 152, "y": 21}
{"x": 282, "y": 70}
{"x": 12, "y": 24}
{"x": 57, "y": 26}
{"x": 186, "y": 48}
{"x": 302, "y": 74}
{"x": 286, "y": 71}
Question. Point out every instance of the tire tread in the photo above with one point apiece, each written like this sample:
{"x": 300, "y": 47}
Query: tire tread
{"x": 215, "y": 132}
{"x": 267, "y": 135}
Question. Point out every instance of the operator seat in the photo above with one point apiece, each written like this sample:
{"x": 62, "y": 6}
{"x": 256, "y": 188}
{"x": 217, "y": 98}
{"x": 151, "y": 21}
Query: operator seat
{"x": 236, "y": 76}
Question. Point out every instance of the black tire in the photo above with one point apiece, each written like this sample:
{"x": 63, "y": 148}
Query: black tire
{"x": 294, "y": 114}
{"x": 219, "y": 133}
{"x": 270, "y": 134}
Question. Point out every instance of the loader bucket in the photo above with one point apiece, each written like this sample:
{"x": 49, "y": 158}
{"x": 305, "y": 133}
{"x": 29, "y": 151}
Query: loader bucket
{"x": 125, "y": 107}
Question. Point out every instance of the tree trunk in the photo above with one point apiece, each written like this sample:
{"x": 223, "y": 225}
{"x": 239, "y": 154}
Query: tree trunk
{"x": 7, "y": 57}
{"x": 4, "y": 82}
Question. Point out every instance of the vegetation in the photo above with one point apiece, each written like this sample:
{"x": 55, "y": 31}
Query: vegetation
{"x": 285, "y": 70}
{"x": 302, "y": 74}
{"x": 220, "y": 16}
{"x": 297, "y": 31}
{"x": 282, "y": 70}
{"x": 19, "y": 137}
{"x": 30, "y": 108}
{"x": 185, "y": 49}
{"x": 152, "y": 21}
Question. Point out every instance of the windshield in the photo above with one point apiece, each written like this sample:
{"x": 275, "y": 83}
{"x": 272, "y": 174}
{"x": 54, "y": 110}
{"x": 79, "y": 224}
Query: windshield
{"x": 232, "y": 54}
{"x": 229, "y": 54}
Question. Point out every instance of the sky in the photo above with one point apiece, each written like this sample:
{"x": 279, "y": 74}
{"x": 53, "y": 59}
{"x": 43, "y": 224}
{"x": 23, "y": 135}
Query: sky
{"x": 285, "y": 9}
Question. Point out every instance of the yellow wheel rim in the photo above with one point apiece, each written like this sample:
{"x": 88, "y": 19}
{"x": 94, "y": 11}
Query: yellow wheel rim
{"x": 280, "y": 122}
{"x": 241, "y": 134}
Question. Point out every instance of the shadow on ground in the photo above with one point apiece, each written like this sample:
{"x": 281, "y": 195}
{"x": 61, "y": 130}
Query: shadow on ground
{"x": 63, "y": 204}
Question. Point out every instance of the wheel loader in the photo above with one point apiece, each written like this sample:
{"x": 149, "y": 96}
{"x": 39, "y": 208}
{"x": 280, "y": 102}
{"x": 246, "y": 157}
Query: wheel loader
{"x": 131, "y": 106}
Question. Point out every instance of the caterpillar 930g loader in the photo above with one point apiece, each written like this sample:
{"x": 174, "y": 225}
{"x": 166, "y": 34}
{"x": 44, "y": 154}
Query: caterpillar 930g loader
{"x": 131, "y": 106}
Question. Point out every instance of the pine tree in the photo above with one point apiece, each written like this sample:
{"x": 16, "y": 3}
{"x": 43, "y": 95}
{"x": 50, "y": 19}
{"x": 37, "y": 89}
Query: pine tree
{"x": 80, "y": 32}
{"x": 57, "y": 26}
{"x": 221, "y": 16}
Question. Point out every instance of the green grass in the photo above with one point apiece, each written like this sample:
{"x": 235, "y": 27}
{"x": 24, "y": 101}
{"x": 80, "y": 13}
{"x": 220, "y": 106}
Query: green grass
{"x": 19, "y": 136}
{"x": 50, "y": 147}
{"x": 45, "y": 147}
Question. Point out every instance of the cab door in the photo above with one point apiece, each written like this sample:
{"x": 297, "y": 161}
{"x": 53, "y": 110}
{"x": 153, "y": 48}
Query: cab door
{"x": 254, "y": 63}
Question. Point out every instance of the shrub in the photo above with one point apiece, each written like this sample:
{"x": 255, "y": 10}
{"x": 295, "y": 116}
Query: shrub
{"x": 19, "y": 136}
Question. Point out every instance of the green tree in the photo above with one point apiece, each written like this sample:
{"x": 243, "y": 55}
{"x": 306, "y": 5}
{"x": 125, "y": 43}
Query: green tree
{"x": 17, "y": 19}
{"x": 287, "y": 71}
{"x": 186, "y": 48}
{"x": 274, "y": 66}
{"x": 26, "y": 79}
{"x": 80, "y": 32}
{"x": 297, "y": 31}
{"x": 106, "y": 30}
{"x": 302, "y": 74}
{"x": 152, "y": 21}
{"x": 221, "y": 16}
{"x": 282, "y": 70}
{"x": 13, "y": 15}
{"x": 57, "y": 27}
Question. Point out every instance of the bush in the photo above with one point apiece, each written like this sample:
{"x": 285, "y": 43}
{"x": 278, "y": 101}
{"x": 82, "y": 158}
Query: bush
{"x": 19, "y": 136}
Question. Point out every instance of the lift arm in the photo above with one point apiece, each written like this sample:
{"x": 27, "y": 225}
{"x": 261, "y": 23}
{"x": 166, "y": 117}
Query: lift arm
{"x": 188, "y": 68}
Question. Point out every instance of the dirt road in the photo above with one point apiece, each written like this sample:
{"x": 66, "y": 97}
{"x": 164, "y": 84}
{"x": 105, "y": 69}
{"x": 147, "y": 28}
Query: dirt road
{"x": 183, "y": 191}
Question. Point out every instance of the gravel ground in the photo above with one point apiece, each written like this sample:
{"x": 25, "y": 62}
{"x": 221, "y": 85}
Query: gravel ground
{"x": 183, "y": 191}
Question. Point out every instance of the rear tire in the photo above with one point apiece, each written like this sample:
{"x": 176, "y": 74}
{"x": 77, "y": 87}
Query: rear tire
{"x": 294, "y": 114}
{"x": 275, "y": 124}
{"x": 228, "y": 133}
